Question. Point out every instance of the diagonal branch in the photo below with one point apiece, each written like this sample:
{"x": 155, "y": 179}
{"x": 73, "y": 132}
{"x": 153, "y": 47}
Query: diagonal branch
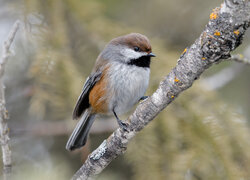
{"x": 223, "y": 33}
{"x": 4, "y": 130}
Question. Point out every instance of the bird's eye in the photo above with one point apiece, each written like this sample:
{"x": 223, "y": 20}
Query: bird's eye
{"x": 136, "y": 48}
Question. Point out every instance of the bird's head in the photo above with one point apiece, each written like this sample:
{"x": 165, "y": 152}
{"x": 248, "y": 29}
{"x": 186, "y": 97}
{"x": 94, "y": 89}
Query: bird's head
{"x": 132, "y": 49}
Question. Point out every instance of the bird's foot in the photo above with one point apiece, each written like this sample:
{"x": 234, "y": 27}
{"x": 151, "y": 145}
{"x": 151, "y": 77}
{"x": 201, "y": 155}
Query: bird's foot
{"x": 123, "y": 125}
{"x": 143, "y": 98}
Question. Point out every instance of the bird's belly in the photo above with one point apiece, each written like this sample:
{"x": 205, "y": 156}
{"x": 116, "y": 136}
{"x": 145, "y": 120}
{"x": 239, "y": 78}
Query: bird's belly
{"x": 128, "y": 84}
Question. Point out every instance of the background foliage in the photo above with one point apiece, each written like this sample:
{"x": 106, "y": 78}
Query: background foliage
{"x": 202, "y": 135}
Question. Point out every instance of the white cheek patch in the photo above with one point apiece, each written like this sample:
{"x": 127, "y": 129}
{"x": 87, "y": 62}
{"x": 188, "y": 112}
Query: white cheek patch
{"x": 131, "y": 54}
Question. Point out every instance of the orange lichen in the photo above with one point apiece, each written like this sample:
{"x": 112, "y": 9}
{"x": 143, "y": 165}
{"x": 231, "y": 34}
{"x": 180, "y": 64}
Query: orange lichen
{"x": 176, "y": 80}
{"x": 213, "y": 15}
{"x": 185, "y": 50}
{"x": 237, "y": 32}
{"x": 203, "y": 58}
{"x": 217, "y": 33}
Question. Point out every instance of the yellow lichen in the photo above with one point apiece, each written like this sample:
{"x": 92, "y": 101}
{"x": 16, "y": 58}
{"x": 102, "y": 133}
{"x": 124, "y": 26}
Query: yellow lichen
{"x": 203, "y": 58}
{"x": 185, "y": 50}
{"x": 213, "y": 16}
{"x": 217, "y": 33}
{"x": 237, "y": 32}
{"x": 176, "y": 80}
{"x": 172, "y": 96}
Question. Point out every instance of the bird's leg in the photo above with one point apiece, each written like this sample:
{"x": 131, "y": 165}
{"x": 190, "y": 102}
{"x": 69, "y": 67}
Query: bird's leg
{"x": 122, "y": 125}
{"x": 143, "y": 98}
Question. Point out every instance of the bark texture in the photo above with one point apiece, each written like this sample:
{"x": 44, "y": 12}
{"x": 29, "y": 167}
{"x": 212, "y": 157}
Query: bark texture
{"x": 4, "y": 130}
{"x": 223, "y": 33}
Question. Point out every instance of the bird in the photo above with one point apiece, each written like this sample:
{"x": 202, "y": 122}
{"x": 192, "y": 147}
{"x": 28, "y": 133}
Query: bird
{"x": 118, "y": 81}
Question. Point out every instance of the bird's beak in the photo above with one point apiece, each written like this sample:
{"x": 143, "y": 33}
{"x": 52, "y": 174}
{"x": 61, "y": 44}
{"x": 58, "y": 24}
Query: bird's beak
{"x": 151, "y": 54}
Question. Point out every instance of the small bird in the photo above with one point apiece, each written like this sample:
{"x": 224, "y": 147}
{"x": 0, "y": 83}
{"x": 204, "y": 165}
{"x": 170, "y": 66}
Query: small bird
{"x": 118, "y": 81}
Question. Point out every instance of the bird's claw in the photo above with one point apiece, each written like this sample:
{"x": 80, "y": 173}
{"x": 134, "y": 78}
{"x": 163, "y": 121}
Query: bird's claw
{"x": 123, "y": 125}
{"x": 143, "y": 98}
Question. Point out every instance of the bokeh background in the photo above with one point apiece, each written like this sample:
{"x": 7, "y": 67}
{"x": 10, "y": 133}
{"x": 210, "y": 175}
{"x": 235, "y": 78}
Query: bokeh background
{"x": 204, "y": 134}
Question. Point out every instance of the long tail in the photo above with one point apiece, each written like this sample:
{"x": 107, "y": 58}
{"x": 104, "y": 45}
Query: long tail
{"x": 79, "y": 136}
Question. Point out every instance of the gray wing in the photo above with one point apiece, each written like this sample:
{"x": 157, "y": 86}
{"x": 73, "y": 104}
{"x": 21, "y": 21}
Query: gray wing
{"x": 83, "y": 100}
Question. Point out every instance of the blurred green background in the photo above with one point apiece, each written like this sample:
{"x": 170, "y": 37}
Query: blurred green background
{"x": 204, "y": 134}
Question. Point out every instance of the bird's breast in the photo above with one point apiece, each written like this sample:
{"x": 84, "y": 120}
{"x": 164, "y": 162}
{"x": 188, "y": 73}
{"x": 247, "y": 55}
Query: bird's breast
{"x": 127, "y": 84}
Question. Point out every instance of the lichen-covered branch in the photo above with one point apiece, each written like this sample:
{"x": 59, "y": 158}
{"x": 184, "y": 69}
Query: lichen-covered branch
{"x": 4, "y": 130}
{"x": 223, "y": 33}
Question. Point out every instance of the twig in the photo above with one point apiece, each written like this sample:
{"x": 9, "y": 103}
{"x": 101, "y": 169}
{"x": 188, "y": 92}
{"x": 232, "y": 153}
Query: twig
{"x": 240, "y": 58}
{"x": 221, "y": 78}
{"x": 223, "y": 34}
{"x": 226, "y": 75}
{"x": 4, "y": 130}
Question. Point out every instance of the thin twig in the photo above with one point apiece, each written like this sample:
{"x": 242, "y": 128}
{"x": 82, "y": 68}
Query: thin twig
{"x": 223, "y": 34}
{"x": 4, "y": 130}
{"x": 240, "y": 58}
{"x": 226, "y": 75}
{"x": 222, "y": 78}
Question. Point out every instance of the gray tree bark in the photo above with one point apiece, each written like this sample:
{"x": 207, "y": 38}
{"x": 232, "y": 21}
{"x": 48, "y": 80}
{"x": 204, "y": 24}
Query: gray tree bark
{"x": 223, "y": 33}
{"x": 4, "y": 130}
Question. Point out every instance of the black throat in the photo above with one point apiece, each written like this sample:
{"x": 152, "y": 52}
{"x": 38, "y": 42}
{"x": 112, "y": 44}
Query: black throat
{"x": 143, "y": 61}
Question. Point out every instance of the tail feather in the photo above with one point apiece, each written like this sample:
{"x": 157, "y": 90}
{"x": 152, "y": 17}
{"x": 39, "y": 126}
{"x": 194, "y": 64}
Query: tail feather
{"x": 79, "y": 136}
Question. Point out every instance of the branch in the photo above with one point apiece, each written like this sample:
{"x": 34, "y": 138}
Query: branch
{"x": 4, "y": 130}
{"x": 226, "y": 75}
{"x": 223, "y": 33}
{"x": 222, "y": 78}
{"x": 240, "y": 58}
